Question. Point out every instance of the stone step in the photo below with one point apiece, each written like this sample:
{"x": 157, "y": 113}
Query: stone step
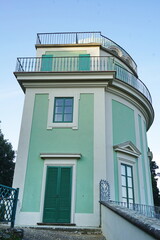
{"x": 80, "y": 230}
{"x": 65, "y": 233}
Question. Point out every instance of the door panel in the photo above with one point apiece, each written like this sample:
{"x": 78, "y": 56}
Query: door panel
{"x": 65, "y": 195}
{"x": 57, "y": 205}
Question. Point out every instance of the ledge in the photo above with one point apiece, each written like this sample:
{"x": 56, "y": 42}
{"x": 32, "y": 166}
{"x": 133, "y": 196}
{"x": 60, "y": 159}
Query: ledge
{"x": 148, "y": 225}
{"x": 60, "y": 155}
{"x": 67, "y": 45}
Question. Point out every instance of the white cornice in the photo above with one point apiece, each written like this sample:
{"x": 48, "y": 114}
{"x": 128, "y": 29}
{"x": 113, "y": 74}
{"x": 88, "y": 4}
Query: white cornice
{"x": 60, "y": 155}
{"x": 43, "y": 76}
{"x": 64, "y": 80}
{"x": 128, "y": 148}
{"x": 106, "y": 80}
{"x": 67, "y": 45}
{"x": 103, "y": 84}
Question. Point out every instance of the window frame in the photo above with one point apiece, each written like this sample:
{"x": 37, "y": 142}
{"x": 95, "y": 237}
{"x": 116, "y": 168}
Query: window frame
{"x": 64, "y": 106}
{"x": 62, "y": 94}
{"x": 130, "y": 161}
{"x": 126, "y": 165}
{"x": 62, "y": 161}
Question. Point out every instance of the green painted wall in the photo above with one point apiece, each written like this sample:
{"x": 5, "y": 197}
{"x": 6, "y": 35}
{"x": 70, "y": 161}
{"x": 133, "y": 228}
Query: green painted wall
{"x": 123, "y": 123}
{"x": 60, "y": 141}
{"x": 123, "y": 130}
{"x": 66, "y": 53}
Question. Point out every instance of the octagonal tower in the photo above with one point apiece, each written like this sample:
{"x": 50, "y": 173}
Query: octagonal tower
{"x": 85, "y": 118}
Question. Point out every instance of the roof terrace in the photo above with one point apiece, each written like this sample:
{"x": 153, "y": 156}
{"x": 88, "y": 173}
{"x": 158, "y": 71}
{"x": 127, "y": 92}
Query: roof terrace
{"x": 84, "y": 38}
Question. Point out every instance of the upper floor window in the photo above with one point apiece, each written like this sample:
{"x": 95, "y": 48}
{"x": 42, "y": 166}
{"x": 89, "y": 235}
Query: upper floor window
{"x": 63, "y": 110}
{"x": 127, "y": 183}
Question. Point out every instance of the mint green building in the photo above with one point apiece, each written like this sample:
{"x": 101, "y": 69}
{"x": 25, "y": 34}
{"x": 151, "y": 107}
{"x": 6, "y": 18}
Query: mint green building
{"x": 85, "y": 118}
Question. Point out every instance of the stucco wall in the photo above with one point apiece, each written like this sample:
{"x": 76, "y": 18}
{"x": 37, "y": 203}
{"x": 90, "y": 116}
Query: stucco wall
{"x": 115, "y": 227}
{"x": 128, "y": 124}
{"x": 60, "y": 141}
{"x": 93, "y": 51}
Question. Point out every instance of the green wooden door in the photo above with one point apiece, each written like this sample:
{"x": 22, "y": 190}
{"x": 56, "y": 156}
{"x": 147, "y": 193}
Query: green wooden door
{"x": 57, "y": 204}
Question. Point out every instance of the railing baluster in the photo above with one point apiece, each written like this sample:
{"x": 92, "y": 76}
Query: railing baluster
{"x": 146, "y": 210}
{"x": 33, "y": 64}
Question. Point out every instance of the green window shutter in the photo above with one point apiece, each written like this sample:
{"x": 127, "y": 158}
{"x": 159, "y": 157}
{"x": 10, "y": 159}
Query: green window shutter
{"x": 65, "y": 195}
{"x": 47, "y": 63}
{"x": 84, "y": 62}
{"x": 50, "y": 204}
{"x": 57, "y": 204}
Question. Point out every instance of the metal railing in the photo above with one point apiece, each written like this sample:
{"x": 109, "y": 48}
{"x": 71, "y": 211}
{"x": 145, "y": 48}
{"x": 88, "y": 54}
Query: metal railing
{"x": 87, "y": 37}
{"x": 129, "y": 78}
{"x": 65, "y": 64}
{"x": 146, "y": 210}
{"x": 104, "y": 191}
{"x": 84, "y": 63}
{"x": 67, "y": 37}
{"x": 8, "y": 204}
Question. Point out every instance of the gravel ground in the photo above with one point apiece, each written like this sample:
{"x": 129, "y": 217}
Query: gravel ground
{"x": 39, "y": 234}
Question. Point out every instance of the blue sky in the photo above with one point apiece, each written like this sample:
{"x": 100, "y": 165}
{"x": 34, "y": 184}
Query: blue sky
{"x": 134, "y": 25}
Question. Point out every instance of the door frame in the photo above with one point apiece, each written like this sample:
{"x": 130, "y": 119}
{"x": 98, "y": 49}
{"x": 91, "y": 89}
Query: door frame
{"x": 59, "y": 163}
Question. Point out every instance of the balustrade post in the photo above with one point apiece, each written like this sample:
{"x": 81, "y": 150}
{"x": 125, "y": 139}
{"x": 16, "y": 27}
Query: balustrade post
{"x": 76, "y": 38}
{"x": 14, "y": 207}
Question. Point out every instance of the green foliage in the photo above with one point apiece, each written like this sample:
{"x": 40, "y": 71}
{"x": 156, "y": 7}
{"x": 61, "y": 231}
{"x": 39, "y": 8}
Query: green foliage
{"x": 156, "y": 193}
{"x": 6, "y": 161}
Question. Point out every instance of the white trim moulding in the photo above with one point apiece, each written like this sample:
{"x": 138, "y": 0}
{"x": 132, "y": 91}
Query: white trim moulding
{"x": 60, "y": 155}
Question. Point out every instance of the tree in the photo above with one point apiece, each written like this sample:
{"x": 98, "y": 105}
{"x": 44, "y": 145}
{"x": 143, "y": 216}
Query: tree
{"x": 6, "y": 161}
{"x": 156, "y": 193}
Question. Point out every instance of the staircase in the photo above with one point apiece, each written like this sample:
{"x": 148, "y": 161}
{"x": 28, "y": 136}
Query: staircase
{"x": 57, "y": 233}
